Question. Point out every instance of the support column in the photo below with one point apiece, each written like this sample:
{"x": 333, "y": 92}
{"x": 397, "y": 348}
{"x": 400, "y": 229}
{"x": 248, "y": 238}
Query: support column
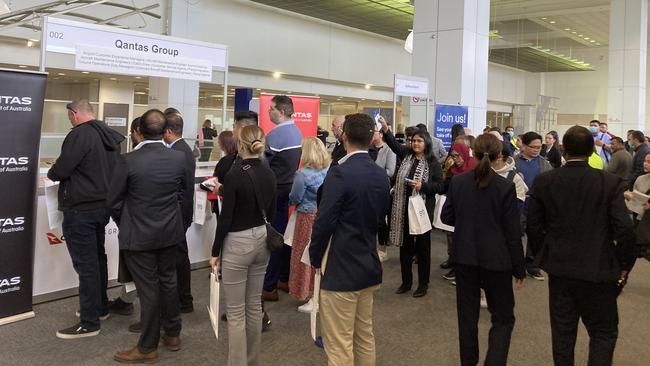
{"x": 181, "y": 21}
{"x": 628, "y": 29}
{"x": 450, "y": 47}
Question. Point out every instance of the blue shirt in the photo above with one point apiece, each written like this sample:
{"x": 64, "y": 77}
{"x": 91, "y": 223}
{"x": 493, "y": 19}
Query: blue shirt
{"x": 529, "y": 169}
{"x": 305, "y": 186}
{"x": 283, "y": 151}
{"x": 607, "y": 139}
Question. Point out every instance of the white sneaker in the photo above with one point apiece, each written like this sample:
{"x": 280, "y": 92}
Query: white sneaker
{"x": 484, "y": 304}
{"x": 383, "y": 256}
{"x": 307, "y": 307}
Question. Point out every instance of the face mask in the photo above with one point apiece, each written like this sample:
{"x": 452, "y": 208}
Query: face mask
{"x": 511, "y": 133}
{"x": 593, "y": 129}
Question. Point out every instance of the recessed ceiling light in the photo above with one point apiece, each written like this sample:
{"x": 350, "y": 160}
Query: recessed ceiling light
{"x": 543, "y": 18}
{"x": 276, "y": 75}
{"x": 22, "y": 66}
{"x": 85, "y": 72}
{"x": 574, "y": 32}
{"x": 113, "y": 79}
{"x": 592, "y": 41}
{"x": 30, "y": 44}
{"x": 552, "y": 22}
{"x": 579, "y": 35}
{"x": 258, "y": 89}
{"x": 61, "y": 74}
{"x": 140, "y": 93}
{"x": 567, "y": 29}
{"x": 367, "y": 86}
{"x": 597, "y": 44}
{"x": 587, "y": 38}
{"x": 138, "y": 77}
{"x": 56, "y": 78}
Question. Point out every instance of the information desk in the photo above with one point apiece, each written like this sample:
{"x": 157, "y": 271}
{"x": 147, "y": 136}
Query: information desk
{"x": 54, "y": 276}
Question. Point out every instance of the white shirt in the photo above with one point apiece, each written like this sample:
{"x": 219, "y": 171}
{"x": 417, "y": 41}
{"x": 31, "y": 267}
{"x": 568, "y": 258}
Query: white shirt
{"x": 346, "y": 157}
{"x": 145, "y": 142}
{"x": 172, "y": 143}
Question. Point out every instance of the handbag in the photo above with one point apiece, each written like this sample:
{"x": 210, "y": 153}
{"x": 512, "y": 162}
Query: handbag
{"x": 274, "y": 240}
{"x": 437, "y": 221}
{"x": 418, "y": 217}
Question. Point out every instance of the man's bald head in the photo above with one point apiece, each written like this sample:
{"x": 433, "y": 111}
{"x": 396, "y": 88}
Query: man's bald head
{"x": 152, "y": 124}
{"x": 337, "y": 126}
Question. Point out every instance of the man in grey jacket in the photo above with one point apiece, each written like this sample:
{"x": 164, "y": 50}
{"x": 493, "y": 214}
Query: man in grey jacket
{"x": 438, "y": 147}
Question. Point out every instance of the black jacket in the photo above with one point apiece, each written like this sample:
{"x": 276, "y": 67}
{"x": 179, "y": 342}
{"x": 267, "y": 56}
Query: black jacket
{"x": 434, "y": 185}
{"x": 553, "y": 156}
{"x": 637, "y": 163}
{"x": 355, "y": 199}
{"x": 188, "y": 197}
{"x": 148, "y": 187}
{"x": 486, "y": 221}
{"x": 572, "y": 229}
{"x": 86, "y": 163}
{"x": 338, "y": 153}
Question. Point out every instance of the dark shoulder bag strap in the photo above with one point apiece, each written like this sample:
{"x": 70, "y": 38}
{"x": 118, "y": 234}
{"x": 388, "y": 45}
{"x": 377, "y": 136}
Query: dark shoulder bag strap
{"x": 258, "y": 194}
{"x": 511, "y": 175}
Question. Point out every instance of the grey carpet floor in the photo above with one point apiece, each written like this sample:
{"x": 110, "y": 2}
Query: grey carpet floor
{"x": 408, "y": 331}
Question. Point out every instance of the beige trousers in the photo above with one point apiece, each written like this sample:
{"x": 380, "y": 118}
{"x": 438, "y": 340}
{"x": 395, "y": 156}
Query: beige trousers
{"x": 346, "y": 327}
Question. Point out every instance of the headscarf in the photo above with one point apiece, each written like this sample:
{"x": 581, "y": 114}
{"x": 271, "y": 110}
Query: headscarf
{"x": 469, "y": 163}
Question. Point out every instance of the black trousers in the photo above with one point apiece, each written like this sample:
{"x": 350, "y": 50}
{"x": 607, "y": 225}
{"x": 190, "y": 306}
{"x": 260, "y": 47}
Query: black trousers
{"x": 420, "y": 247}
{"x": 571, "y": 300}
{"x": 154, "y": 274}
{"x": 184, "y": 276}
{"x": 501, "y": 304}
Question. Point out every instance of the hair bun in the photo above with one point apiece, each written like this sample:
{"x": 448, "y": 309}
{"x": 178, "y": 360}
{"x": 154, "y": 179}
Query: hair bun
{"x": 257, "y": 147}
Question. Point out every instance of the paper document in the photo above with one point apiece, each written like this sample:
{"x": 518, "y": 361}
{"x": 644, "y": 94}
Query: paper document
{"x": 636, "y": 203}
{"x": 291, "y": 227}
{"x": 54, "y": 216}
{"x": 129, "y": 287}
{"x": 213, "y": 308}
{"x": 200, "y": 204}
{"x": 316, "y": 305}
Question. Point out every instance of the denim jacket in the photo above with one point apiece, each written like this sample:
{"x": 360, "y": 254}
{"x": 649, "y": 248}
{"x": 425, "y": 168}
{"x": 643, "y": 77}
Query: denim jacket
{"x": 305, "y": 186}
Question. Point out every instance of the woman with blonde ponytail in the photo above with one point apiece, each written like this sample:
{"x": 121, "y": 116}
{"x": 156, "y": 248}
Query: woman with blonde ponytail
{"x": 240, "y": 245}
{"x": 487, "y": 253}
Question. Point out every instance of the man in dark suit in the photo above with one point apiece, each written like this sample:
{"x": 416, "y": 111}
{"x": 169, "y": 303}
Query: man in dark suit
{"x": 150, "y": 186}
{"x": 173, "y": 137}
{"x": 583, "y": 237}
{"x": 355, "y": 199}
{"x": 339, "y": 149}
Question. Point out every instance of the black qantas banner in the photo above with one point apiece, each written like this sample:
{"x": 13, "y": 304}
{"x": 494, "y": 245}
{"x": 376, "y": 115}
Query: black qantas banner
{"x": 21, "y": 112}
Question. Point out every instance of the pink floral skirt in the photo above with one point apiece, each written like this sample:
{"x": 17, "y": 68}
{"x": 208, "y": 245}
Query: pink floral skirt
{"x": 301, "y": 276}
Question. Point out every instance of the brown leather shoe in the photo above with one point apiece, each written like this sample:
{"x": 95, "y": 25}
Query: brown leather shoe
{"x": 270, "y": 295}
{"x": 135, "y": 356}
{"x": 171, "y": 343}
{"x": 284, "y": 286}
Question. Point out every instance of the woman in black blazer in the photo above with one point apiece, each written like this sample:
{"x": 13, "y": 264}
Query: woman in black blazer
{"x": 482, "y": 207}
{"x": 551, "y": 150}
{"x": 419, "y": 173}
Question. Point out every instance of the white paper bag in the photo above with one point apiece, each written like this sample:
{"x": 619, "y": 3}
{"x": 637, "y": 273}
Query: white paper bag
{"x": 418, "y": 218}
{"x": 305, "y": 256}
{"x": 200, "y": 205}
{"x": 54, "y": 216}
{"x": 213, "y": 308}
{"x": 637, "y": 202}
{"x": 315, "y": 306}
{"x": 291, "y": 227}
{"x": 437, "y": 222}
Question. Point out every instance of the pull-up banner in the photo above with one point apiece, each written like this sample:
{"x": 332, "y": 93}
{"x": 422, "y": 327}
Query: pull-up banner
{"x": 21, "y": 112}
{"x": 305, "y": 114}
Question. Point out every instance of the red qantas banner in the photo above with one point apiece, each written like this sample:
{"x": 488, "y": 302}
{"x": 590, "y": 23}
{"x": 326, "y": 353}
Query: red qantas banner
{"x": 305, "y": 114}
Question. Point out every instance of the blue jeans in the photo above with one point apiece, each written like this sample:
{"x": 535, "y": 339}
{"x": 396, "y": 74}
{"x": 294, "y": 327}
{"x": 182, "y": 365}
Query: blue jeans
{"x": 278, "y": 268}
{"x": 84, "y": 235}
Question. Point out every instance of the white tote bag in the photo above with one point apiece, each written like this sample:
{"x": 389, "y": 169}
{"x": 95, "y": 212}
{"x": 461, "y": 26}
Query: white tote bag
{"x": 418, "y": 218}
{"x": 291, "y": 227}
{"x": 213, "y": 308}
{"x": 437, "y": 222}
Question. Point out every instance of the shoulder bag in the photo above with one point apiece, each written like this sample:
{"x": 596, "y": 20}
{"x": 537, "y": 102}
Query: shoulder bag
{"x": 274, "y": 240}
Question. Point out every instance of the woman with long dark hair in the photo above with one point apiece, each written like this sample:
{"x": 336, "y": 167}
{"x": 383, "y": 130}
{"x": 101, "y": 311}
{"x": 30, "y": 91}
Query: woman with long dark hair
{"x": 419, "y": 173}
{"x": 551, "y": 149}
{"x": 487, "y": 253}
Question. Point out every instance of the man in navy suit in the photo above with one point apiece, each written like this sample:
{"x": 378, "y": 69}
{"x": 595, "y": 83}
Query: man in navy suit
{"x": 344, "y": 246}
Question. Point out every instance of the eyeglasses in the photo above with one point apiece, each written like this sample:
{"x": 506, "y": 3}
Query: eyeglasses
{"x": 536, "y": 147}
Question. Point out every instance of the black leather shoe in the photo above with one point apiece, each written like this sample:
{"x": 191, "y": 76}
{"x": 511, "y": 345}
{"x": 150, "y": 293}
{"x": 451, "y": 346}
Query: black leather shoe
{"x": 420, "y": 291}
{"x": 403, "y": 289}
{"x": 135, "y": 327}
{"x": 266, "y": 322}
{"x": 445, "y": 265}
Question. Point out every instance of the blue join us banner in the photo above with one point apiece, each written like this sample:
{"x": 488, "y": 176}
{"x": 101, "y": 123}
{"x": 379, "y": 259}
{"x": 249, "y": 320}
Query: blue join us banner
{"x": 446, "y": 116}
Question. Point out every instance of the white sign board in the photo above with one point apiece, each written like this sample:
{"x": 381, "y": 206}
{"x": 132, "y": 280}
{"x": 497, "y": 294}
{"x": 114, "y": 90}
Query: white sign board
{"x": 117, "y": 61}
{"x": 115, "y": 121}
{"x": 411, "y": 86}
{"x": 65, "y": 36}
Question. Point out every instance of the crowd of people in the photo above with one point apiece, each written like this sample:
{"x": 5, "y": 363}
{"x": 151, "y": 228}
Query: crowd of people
{"x": 498, "y": 191}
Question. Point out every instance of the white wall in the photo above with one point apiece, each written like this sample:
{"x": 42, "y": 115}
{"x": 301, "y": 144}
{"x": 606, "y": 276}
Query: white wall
{"x": 511, "y": 86}
{"x": 262, "y": 38}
